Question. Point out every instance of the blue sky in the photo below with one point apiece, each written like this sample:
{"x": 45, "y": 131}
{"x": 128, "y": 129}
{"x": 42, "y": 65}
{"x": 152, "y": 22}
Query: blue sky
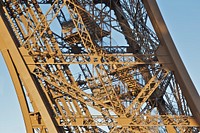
{"x": 183, "y": 20}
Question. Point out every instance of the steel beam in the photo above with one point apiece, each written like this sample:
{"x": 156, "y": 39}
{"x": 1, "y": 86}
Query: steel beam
{"x": 141, "y": 121}
{"x": 18, "y": 89}
{"x": 168, "y": 48}
{"x": 9, "y": 42}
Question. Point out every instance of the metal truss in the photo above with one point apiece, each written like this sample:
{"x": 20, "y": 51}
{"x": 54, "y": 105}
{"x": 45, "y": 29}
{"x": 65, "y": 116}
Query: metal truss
{"x": 96, "y": 66}
{"x": 139, "y": 121}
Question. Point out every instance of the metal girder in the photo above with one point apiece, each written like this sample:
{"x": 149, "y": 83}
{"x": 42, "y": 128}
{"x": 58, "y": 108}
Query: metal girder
{"x": 120, "y": 59}
{"x": 146, "y": 92}
{"x": 72, "y": 90}
{"x": 10, "y": 43}
{"x": 168, "y": 47}
{"x": 18, "y": 89}
{"x": 139, "y": 121}
{"x": 140, "y": 89}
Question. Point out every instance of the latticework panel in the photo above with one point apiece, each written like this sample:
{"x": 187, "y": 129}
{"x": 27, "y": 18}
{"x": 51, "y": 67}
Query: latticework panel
{"x": 98, "y": 66}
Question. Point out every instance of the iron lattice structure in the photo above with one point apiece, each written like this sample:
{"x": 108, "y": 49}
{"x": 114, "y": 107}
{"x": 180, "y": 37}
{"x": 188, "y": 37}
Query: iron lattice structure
{"x": 96, "y": 66}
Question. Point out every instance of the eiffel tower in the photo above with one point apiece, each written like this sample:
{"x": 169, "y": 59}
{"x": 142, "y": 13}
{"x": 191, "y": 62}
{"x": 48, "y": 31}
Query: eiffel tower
{"x": 96, "y": 66}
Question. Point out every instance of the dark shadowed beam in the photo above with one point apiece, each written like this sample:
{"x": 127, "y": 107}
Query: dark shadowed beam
{"x": 168, "y": 48}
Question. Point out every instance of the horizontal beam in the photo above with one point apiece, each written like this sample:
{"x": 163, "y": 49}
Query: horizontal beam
{"x": 109, "y": 59}
{"x": 142, "y": 120}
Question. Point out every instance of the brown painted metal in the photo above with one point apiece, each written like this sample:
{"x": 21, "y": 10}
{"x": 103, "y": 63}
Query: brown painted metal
{"x": 168, "y": 48}
{"x": 18, "y": 89}
{"x": 9, "y": 42}
{"x": 130, "y": 85}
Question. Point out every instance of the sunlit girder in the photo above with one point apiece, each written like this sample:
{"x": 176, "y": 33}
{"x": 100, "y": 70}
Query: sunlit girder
{"x": 97, "y": 63}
